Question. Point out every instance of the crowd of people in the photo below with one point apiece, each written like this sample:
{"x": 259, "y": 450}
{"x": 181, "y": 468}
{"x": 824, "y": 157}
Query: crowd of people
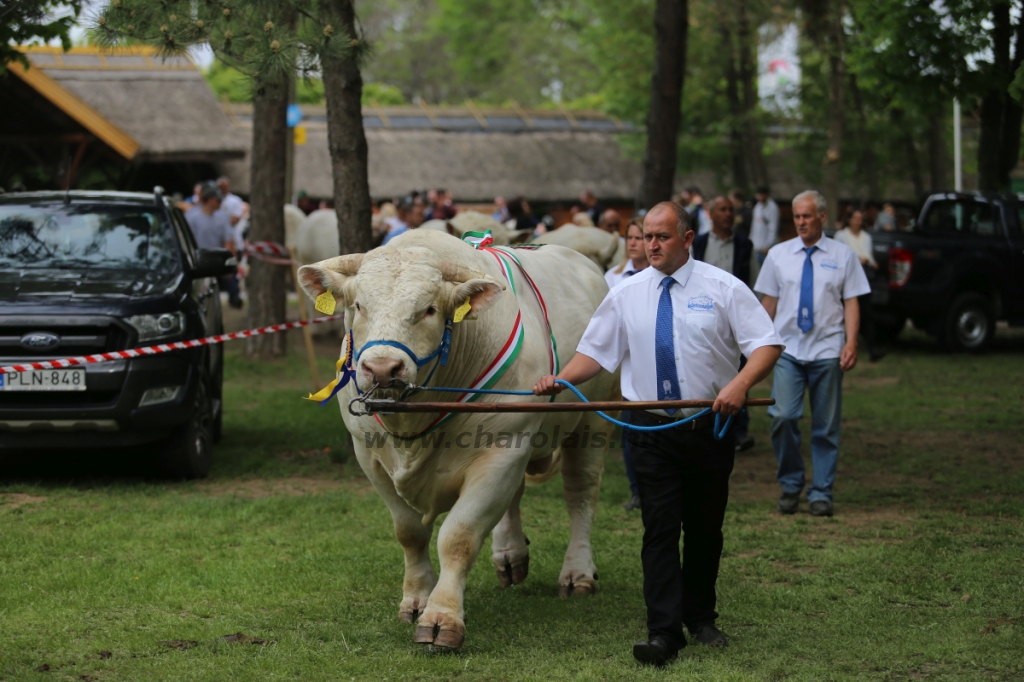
{"x": 218, "y": 219}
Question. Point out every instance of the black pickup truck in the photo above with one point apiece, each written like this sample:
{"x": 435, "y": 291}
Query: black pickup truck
{"x": 89, "y": 272}
{"x": 956, "y": 271}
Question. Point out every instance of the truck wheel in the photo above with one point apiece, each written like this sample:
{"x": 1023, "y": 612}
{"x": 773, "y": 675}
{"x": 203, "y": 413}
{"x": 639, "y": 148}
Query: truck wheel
{"x": 217, "y": 427}
{"x": 970, "y": 323}
{"x": 187, "y": 453}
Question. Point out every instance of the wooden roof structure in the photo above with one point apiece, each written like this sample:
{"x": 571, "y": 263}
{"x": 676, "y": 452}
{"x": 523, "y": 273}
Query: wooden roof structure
{"x": 547, "y": 155}
{"x": 139, "y": 105}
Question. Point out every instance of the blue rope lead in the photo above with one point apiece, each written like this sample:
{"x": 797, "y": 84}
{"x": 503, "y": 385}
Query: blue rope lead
{"x": 718, "y": 432}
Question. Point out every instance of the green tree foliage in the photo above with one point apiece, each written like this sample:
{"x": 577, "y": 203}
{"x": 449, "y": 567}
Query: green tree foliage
{"x": 232, "y": 85}
{"x": 264, "y": 39}
{"x": 26, "y": 21}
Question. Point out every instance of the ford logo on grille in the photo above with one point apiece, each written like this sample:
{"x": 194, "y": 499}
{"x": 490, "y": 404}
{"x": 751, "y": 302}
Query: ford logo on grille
{"x": 40, "y": 341}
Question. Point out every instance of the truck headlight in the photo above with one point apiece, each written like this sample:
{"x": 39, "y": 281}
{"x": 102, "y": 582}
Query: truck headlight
{"x": 153, "y": 327}
{"x": 157, "y": 396}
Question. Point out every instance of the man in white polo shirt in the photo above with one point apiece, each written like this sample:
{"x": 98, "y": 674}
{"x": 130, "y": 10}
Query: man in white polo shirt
{"x": 678, "y": 329}
{"x": 810, "y": 286}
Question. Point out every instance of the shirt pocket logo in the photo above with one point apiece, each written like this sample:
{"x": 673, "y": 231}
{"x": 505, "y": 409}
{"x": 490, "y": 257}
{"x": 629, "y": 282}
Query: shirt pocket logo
{"x": 701, "y": 329}
{"x": 700, "y": 303}
{"x": 829, "y": 264}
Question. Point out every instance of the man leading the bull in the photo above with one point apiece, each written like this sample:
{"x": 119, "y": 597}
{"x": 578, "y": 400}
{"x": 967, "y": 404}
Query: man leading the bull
{"x": 678, "y": 330}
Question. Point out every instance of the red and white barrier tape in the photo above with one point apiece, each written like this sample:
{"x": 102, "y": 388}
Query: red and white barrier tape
{"x": 161, "y": 348}
{"x": 267, "y": 247}
{"x": 272, "y": 260}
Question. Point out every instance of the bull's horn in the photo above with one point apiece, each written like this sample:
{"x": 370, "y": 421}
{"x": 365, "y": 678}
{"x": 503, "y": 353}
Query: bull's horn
{"x": 459, "y": 273}
{"x": 345, "y": 265}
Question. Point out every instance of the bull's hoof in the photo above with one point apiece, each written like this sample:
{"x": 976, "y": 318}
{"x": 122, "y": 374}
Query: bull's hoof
{"x": 580, "y": 589}
{"x": 409, "y": 616}
{"x": 432, "y": 634}
{"x": 449, "y": 639}
{"x": 424, "y": 634}
{"x": 520, "y": 571}
{"x": 510, "y": 574}
{"x": 505, "y": 575}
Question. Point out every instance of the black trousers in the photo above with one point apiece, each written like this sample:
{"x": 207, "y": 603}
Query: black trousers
{"x": 683, "y": 478}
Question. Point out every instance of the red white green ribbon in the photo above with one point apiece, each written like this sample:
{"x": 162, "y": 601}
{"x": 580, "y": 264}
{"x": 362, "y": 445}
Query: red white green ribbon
{"x": 478, "y": 240}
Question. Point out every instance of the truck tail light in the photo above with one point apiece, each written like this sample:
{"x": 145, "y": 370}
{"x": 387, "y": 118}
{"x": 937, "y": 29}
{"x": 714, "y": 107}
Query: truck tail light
{"x": 901, "y": 262}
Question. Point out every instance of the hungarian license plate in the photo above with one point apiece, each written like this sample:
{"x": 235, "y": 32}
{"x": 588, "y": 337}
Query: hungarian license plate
{"x": 44, "y": 380}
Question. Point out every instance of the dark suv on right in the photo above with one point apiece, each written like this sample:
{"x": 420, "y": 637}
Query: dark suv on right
{"x": 84, "y": 273}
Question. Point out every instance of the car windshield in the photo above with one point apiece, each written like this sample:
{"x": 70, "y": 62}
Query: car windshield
{"x": 84, "y": 236}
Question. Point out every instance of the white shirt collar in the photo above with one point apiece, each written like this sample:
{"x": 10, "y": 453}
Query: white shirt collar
{"x": 681, "y": 276}
{"x": 724, "y": 241}
{"x": 798, "y": 244}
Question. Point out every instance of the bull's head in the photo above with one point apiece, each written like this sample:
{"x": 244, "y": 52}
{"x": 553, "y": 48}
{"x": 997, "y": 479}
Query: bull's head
{"x": 404, "y": 297}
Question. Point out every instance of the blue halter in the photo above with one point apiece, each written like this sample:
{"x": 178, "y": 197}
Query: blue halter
{"x": 441, "y": 350}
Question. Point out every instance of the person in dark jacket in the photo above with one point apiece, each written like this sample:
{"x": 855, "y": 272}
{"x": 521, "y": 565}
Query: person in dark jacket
{"x": 733, "y": 252}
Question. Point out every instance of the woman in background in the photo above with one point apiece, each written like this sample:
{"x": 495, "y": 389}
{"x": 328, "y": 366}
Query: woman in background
{"x": 857, "y": 238}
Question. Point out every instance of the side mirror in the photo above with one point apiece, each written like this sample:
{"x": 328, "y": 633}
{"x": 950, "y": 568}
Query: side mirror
{"x": 215, "y": 263}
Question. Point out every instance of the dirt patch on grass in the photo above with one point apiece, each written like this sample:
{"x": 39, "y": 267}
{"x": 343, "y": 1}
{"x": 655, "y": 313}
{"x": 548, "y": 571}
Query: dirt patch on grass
{"x": 259, "y": 488}
{"x": 15, "y": 500}
{"x": 869, "y": 382}
{"x": 926, "y": 462}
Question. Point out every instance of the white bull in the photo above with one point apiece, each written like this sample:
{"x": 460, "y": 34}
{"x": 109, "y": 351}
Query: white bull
{"x": 599, "y": 246}
{"x": 316, "y": 239}
{"x": 472, "y": 221}
{"x": 472, "y": 465}
{"x": 293, "y": 215}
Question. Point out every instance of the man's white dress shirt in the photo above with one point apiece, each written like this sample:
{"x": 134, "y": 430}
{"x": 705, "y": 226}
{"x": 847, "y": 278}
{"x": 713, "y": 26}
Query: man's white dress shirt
{"x": 764, "y": 228}
{"x": 613, "y": 278}
{"x": 838, "y": 276}
{"x": 715, "y": 318}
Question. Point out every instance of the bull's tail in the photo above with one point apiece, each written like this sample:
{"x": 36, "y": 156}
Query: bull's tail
{"x": 554, "y": 467}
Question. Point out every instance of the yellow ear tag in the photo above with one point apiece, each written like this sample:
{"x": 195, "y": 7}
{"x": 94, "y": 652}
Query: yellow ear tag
{"x": 461, "y": 311}
{"x": 325, "y": 303}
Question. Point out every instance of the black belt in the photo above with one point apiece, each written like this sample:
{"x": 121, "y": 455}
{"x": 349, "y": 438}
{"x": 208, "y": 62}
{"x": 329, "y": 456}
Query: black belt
{"x": 704, "y": 422}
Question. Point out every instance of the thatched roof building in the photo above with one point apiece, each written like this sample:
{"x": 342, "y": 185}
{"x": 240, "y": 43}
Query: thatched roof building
{"x": 545, "y": 155}
{"x": 129, "y": 109}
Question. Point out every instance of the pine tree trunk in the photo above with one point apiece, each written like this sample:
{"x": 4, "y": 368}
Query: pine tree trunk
{"x": 737, "y": 151}
{"x": 343, "y": 90}
{"x": 1013, "y": 112}
{"x": 265, "y": 282}
{"x": 868, "y": 163}
{"x": 937, "y": 149}
{"x": 665, "y": 115}
{"x": 748, "y": 79}
{"x": 999, "y": 143}
{"x": 910, "y": 150}
{"x": 833, "y": 165}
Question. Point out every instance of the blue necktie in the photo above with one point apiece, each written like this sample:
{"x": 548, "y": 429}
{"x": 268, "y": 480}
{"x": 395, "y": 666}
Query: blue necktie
{"x": 664, "y": 347}
{"x": 805, "y": 316}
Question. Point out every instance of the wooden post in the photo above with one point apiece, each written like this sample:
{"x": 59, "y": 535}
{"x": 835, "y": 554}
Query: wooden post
{"x": 307, "y": 333}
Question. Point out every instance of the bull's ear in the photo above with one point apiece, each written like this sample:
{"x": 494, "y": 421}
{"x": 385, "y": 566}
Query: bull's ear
{"x": 480, "y": 292}
{"x": 451, "y": 229}
{"x": 315, "y": 279}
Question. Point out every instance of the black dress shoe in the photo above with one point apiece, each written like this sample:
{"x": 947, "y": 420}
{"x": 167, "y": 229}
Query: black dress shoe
{"x": 634, "y": 503}
{"x": 656, "y": 651}
{"x": 788, "y": 502}
{"x": 821, "y": 508}
{"x": 708, "y": 634}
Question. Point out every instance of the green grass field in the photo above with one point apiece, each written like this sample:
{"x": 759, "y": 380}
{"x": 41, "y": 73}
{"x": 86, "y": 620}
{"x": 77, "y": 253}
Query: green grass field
{"x": 920, "y": 575}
